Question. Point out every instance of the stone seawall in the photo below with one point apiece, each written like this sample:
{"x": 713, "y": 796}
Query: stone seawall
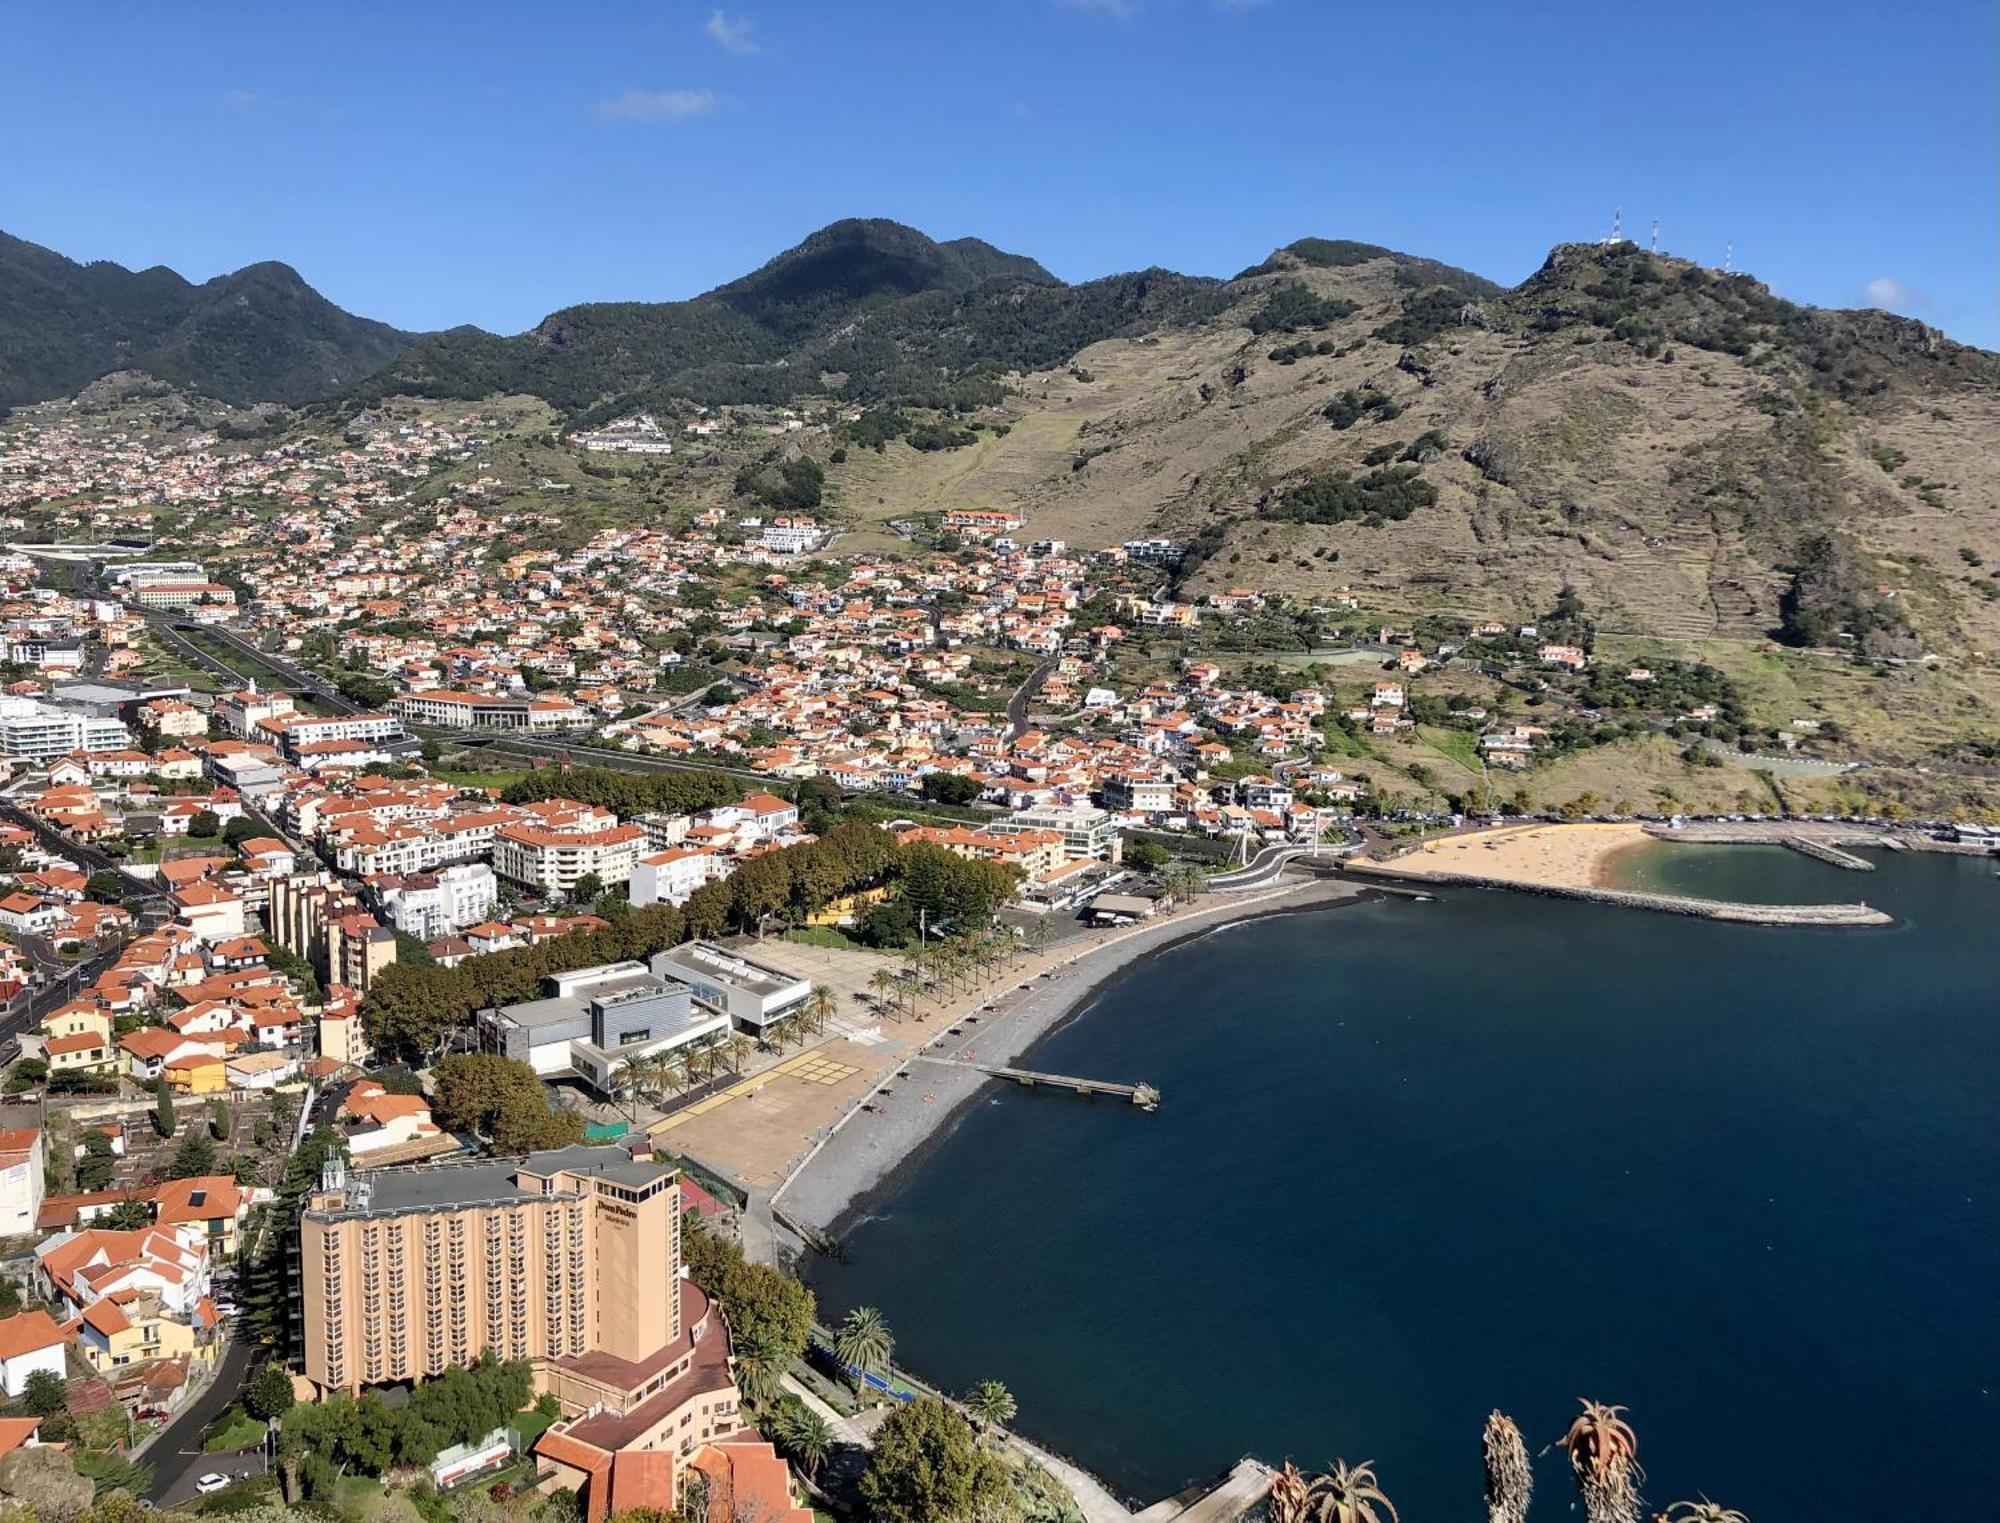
{"x": 1666, "y": 904}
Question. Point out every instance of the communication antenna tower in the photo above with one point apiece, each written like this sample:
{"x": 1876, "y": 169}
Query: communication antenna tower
{"x": 1617, "y": 223}
{"x": 1656, "y": 235}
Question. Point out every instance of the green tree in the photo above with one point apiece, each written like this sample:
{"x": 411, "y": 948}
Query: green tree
{"x": 503, "y": 1099}
{"x": 864, "y": 1343}
{"x": 927, "y": 1467}
{"x": 220, "y": 1122}
{"x": 951, "y": 788}
{"x": 991, "y": 1404}
{"x": 105, "y": 886}
{"x": 194, "y": 1157}
{"x": 163, "y": 1108}
{"x": 1146, "y": 856}
{"x": 269, "y": 1397}
{"x": 44, "y": 1394}
{"x": 206, "y": 824}
{"x": 586, "y": 888}
{"x": 94, "y": 1169}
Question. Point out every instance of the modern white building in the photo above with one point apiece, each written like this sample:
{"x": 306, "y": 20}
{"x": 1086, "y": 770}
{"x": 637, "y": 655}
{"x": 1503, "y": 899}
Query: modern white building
{"x": 592, "y": 1021}
{"x": 1086, "y": 830}
{"x": 32, "y": 730}
{"x": 451, "y": 709}
{"x": 434, "y": 904}
{"x": 753, "y": 993}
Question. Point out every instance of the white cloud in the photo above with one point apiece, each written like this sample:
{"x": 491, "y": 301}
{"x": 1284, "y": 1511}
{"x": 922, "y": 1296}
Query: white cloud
{"x": 1890, "y": 294}
{"x": 1118, "y": 10}
{"x": 731, "y": 36}
{"x": 656, "y": 105}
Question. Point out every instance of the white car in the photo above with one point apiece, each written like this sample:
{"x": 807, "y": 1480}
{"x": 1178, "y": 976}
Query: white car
{"x": 213, "y": 1481}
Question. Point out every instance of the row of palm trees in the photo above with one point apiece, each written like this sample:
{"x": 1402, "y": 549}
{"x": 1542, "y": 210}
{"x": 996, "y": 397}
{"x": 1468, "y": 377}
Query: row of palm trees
{"x": 1603, "y": 1458}
{"x": 950, "y": 967}
{"x": 716, "y": 1054}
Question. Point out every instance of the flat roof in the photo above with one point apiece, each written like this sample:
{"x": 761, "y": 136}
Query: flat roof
{"x": 555, "y": 1009}
{"x": 729, "y": 968}
{"x": 489, "y": 1181}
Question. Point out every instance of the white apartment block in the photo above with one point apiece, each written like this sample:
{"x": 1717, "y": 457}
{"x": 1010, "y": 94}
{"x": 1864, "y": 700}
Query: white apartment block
{"x": 31, "y": 730}
{"x": 672, "y": 876}
{"x": 430, "y": 905}
{"x": 554, "y": 860}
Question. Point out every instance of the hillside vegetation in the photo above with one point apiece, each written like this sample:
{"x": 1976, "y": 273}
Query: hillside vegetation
{"x": 258, "y": 335}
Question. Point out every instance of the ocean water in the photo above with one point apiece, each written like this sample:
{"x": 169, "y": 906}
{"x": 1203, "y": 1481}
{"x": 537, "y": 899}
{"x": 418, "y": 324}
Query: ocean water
{"x": 1417, "y": 1161}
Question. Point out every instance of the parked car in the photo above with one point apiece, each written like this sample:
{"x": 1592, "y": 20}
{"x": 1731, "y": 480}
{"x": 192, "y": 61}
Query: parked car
{"x": 215, "y": 1480}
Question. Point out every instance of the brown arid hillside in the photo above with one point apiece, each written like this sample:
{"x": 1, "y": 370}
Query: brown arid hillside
{"x": 1808, "y": 500}
{"x": 1673, "y": 487}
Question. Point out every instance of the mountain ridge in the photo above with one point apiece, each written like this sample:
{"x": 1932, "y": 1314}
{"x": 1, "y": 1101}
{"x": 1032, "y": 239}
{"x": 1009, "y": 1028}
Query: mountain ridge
{"x": 257, "y": 334}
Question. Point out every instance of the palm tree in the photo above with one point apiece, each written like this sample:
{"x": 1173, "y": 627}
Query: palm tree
{"x": 1348, "y": 1494}
{"x": 808, "y": 1436}
{"x": 738, "y": 1047}
{"x": 1604, "y": 1458}
{"x": 881, "y": 981}
{"x": 1704, "y": 1511}
{"x": 864, "y": 1343}
{"x": 1039, "y": 933}
{"x": 991, "y": 1404}
{"x": 1510, "y": 1479}
{"x": 821, "y": 1006}
{"x": 1286, "y": 1502}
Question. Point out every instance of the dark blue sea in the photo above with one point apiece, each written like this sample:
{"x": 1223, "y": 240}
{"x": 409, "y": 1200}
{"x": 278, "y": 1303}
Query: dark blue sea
{"x": 1417, "y": 1161}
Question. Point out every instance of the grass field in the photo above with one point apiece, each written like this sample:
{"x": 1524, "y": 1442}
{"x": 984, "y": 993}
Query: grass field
{"x": 496, "y": 777}
{"x": 236, "y": 1429}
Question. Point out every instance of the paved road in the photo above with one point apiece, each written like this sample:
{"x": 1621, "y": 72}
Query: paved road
{"x": 1262, "y": 870}
{"x": 1017, "y": 706}
{"x": 91, "y": 859}
{"x": 175, "y": 1452}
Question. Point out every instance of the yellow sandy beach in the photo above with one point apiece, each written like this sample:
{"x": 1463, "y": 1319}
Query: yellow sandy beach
{"x": 1554, "y": 856}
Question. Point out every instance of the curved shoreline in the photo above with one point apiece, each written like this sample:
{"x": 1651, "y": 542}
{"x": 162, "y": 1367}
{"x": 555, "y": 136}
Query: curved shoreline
{"x": 866, "y": 1156}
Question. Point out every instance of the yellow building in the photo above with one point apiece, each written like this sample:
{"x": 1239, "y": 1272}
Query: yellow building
{"x": 112, "y": 1335}
{"x": 197, "y": 1073}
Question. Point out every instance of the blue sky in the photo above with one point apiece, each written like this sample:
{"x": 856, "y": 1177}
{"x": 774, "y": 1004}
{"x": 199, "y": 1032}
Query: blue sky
{"x": 438, "y": 163}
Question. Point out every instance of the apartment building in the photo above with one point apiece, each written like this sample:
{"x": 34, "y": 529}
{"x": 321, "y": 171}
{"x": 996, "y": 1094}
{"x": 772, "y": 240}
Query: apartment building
{"x": 31, "y": 730}
{"x": 1086, "y": 831}
{"x": 569, "y": 1259}
{"x": 300, "y": 734}
{"x": 434, "y": 904}
{"x": 553, "y": 860}
{"x": 323, "y": 920}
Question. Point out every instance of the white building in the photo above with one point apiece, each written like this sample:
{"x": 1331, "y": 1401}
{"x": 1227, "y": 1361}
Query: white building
{"x": 555, "y": 860}
{"x": 430, "y": 905}
{"x": 671, "y": 876}
{"x": 450, "y": 709}
{"x": 753, "y": 993}
{"x": 21, "y": 1166}
{"x": 32, "y": 730}
{"x": 30, "y": 1342}
{"x": 1086, "y": 831}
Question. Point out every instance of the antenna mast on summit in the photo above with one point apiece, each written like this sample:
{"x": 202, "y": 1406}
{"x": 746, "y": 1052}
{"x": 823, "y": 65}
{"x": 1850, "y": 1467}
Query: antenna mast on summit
{"x": 1617, "y": 223}
{"x": 1728, "y": 257}
{"x": 1656, "y": 235}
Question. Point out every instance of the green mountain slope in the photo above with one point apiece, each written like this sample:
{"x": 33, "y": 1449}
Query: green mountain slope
{"x": 868, "y": 309}
{"x": 259, "y": 334}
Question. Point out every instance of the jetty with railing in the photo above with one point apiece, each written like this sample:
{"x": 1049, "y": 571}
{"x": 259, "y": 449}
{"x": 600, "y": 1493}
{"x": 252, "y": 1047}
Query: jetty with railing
{"x": 1145, "y": 1096}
